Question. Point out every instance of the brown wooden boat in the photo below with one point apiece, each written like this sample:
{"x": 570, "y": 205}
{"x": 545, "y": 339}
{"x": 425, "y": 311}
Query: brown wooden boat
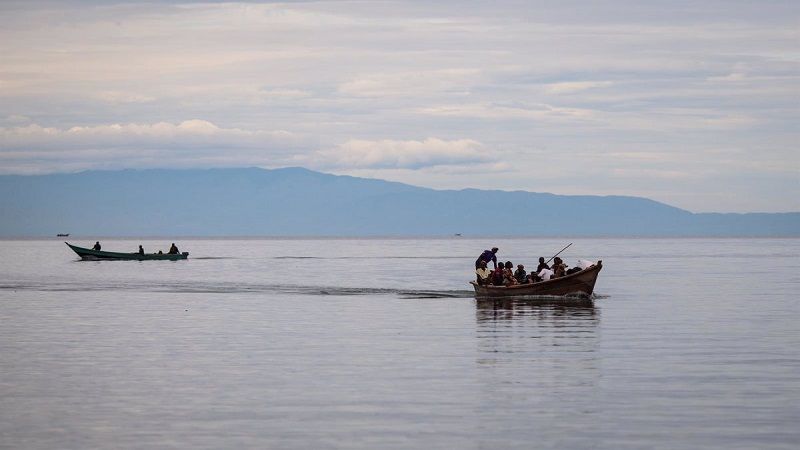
{"x": 576, "y": 284}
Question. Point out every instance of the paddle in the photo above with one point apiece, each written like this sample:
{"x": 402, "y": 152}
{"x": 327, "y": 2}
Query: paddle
{"x": 548, "y": 261}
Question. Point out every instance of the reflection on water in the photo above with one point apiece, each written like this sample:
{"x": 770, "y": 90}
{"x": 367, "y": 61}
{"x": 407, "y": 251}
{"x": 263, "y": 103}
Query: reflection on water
{"x": 535, "y": 328}
{"x": 539, "y": 355}
{"x": 515, "y": 308}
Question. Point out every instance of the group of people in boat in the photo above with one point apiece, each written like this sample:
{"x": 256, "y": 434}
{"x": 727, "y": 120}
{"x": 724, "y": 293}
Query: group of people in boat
{"x": 505, "y": 275}
{"x": 173, "y": 249}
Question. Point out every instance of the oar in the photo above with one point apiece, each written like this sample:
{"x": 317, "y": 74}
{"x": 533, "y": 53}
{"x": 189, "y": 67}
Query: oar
{"x": 548, "y": 261}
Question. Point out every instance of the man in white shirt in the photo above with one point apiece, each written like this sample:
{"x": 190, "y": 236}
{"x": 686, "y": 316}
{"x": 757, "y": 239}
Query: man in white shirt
{"x": 483, "y": 274}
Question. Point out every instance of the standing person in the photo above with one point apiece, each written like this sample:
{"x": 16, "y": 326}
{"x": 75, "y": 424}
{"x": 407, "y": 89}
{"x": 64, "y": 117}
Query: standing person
{"x": 487, "y": 255}
{"x": 483, "y": 274}
{"x": 97, "y": 246}
{"x": 173, "y": 249}
{"x": 141, "y": 250}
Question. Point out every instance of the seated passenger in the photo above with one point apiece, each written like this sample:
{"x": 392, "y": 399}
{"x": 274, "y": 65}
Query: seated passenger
{"x": 508, "y": 274}
{"x": 559, "y": 268}
{"x": 545, "y": 274}
{"x": 173, "y": 249}
{"x": 498, "y": 276}
{"x": 141, "y": 250}
{"x": 520, "y": 274}
{"x": 96, "y": 246}
{"x": 542, "y": 265}
{"x": 483, "y": 274}
{"x": 573, "y": 270}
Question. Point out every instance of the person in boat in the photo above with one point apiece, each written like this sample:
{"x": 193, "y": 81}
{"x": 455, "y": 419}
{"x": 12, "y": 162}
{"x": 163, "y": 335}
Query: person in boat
{"x": 498, "y": 275}
{"x": 508, "y": 274}
{"x": 141, "y": 250}
{"x": 559, "y": 268}
{"x": 96, "y": 246}
{"x": 575, "y": 269}
{"x": 520, "y": 274}
{"x": 534, "y": 278}
{"x": 173, "y": 249}
{"x": 487, "y": 255}
{"x": 484, "y": 275}
{"x": 542, "y": 265}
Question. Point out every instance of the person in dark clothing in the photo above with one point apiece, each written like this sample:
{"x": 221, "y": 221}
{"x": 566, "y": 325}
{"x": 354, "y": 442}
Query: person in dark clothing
{"x": 141, "y": 250}
{"x": 173, "y": 249}
{"x": 498, "y": 276}
{"x": 542, "y": 265}
{"x": 520, "y": 274}
{"x": 97, "y": 246}
{"x": 534, "y": 278}
{"x": 487, "y": 255}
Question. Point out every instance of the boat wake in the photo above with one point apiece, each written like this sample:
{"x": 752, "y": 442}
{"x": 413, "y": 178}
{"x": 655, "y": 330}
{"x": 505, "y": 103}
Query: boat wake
{"x": 215, "y": 257}
{"x": 235, "y": 288}
{"x": 368, "y": 257}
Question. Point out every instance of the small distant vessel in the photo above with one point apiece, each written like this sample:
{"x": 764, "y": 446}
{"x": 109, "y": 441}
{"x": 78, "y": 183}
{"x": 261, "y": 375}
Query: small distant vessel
{"x": 457, "y": 234}
{"x": 95, "y": 255}
{"x": 62, "y": 235}
{"x": 577, "y": 284}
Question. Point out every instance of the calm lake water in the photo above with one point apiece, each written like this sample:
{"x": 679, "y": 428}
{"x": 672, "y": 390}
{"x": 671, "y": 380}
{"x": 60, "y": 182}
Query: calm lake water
{"x": 379, "y": 343}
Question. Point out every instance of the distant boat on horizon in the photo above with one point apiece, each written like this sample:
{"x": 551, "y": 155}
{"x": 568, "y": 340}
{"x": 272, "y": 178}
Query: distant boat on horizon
{"x": 62, "y": 235}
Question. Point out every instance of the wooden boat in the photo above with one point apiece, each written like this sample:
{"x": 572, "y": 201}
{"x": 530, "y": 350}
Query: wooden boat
{"x": 576, "y": 284}
{"x": 89, "y": 254}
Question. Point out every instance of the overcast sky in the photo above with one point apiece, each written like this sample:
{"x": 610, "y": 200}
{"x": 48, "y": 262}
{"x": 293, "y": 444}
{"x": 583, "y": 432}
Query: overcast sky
{"x": 692, "y": 103}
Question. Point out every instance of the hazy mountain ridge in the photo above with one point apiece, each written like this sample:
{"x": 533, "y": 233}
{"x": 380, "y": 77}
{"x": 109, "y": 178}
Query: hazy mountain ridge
{"x": 296, "y": 201}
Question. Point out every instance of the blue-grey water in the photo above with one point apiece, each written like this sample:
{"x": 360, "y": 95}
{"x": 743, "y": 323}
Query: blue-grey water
{"x": 379, "y": 343}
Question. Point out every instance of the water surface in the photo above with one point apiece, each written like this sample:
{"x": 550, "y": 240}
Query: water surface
{"x": 379, "y": 343}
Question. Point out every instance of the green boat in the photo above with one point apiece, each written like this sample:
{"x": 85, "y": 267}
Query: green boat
{"x": 96, "y": 255}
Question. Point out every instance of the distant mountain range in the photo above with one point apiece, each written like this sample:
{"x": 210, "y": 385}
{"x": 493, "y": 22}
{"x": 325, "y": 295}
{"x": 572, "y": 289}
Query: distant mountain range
{"x": 301, "y": 202}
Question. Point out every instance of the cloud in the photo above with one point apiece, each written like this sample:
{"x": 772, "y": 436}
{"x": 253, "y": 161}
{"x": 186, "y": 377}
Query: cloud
{"x": 195, "y": 132}
{"x": 499, "y": 111}
{"x": 283, "y": 94}
{"x": 190, "y": 143}
{"x": 384, "y": 154}
{"x": 17, "y": 119}
{"x": 124, "y": 97}
{"x": 407, "y": 83}
{"x": 731, "y": 77}
{"x": 571, "y": 87}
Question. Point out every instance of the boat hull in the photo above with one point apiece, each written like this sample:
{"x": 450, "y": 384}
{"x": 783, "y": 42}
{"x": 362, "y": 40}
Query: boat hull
{"x": 576, "y": 284}
{"x": 99, "y": 255}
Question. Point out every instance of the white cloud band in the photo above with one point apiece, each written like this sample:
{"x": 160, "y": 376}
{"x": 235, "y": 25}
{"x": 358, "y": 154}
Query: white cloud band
{"x": 393, "y": 154}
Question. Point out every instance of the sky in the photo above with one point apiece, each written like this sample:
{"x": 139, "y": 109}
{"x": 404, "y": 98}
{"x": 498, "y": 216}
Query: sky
{"x": 694, "y": 104}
